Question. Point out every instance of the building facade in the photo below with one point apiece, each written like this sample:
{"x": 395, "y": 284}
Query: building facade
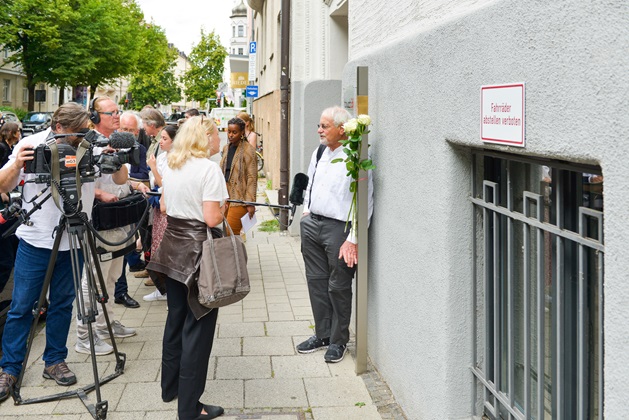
{"x": 181, "y": 67}
{"x": 15, "y": 91}
{"x": 498, "y": 280}
{"x": 239, "y": 53}
{"x": 266, "y": 108}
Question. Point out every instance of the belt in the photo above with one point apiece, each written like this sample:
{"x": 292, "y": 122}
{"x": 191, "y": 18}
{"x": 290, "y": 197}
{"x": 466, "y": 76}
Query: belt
{"x": 320, "y": 218}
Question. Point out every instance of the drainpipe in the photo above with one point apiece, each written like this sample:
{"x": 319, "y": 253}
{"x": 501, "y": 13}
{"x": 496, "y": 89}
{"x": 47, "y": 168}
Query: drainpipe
{"x": 284, "y": 108}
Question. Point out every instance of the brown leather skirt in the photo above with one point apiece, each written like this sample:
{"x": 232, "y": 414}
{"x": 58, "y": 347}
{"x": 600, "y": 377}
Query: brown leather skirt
{"x": 177, "y": 257}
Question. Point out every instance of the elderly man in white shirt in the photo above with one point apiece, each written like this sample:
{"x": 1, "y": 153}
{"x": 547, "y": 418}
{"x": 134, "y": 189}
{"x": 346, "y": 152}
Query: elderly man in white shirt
{"x": 328, "y": 245}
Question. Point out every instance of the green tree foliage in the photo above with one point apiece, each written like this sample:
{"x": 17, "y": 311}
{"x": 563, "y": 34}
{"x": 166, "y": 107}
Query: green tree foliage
{"x": 116, "y": 34}
{"x": 71, "y": 42}
{"x": 154, "y": 81}
{"x": 31, "y": 28}
{"x": 207, "y": 60}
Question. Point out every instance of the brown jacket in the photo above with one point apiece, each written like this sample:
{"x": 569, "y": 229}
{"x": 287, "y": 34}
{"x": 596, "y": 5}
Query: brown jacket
{"x": 243, "y": 177}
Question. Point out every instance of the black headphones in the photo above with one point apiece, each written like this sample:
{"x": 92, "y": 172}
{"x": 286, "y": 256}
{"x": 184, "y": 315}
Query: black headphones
{"x": 94, "y": 115}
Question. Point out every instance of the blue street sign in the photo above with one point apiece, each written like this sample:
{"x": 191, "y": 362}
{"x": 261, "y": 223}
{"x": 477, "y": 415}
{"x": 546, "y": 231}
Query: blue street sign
{"x": 252, "y": 91}
{"x": 252, "y": 47}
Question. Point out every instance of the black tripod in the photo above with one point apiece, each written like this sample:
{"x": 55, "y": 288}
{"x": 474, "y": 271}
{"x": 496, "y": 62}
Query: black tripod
{"x": 81, "y": 239}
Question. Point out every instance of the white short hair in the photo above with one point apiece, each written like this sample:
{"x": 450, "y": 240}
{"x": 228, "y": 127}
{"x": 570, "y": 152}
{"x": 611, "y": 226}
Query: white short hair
{"x": 137, "y": 118}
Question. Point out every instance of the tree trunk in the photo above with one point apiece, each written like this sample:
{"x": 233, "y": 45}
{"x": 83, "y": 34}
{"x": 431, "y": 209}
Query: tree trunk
{"x": 62, "y": 96}
{"x": 31, "y": 92}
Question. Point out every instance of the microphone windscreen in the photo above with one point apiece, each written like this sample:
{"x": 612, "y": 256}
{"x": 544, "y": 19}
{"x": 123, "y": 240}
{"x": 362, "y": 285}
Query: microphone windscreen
{"x": 300, "y": 183}
{"x": 121, "y": 140}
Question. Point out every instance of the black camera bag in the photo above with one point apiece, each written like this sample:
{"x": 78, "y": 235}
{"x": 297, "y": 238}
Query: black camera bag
{"x": 124, "y": 212}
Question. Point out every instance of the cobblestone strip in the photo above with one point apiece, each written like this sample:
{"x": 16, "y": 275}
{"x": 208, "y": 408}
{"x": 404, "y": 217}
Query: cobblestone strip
{"x": 380, "y": 393}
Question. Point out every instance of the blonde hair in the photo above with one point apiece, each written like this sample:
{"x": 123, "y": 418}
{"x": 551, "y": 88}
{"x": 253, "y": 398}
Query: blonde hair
{"x": 208, "y": 124}
{"x": 247, "y": 119}
{"x": 191, "y": 142}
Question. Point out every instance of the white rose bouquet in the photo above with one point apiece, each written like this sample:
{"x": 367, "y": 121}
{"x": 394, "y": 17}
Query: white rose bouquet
{"x": 354, "y": 129}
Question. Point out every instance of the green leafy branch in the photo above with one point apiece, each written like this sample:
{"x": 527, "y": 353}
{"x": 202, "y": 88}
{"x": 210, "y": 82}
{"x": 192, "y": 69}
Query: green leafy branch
{"x": 354, "y": 129}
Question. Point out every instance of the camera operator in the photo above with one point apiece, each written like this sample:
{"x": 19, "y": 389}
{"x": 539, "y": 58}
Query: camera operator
{"x": 34, "y": 253}
{"x": 106, "y": 119}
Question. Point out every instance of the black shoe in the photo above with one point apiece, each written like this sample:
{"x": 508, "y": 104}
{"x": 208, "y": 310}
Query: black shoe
{"x": 139, "y": 267}
{"x": 6, "y": 385}
{"x": 127, "y": 301}
{"x": 335, "y": 353}
{"x": 313, "y": 344}
{"x": 212, "y": 411}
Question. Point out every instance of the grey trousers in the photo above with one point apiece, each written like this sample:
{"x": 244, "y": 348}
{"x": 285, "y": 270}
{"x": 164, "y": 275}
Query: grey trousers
{"x": 329, "y": 278}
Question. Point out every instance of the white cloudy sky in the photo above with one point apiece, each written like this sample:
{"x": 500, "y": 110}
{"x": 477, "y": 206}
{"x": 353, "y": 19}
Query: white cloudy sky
{"x": 183, "y": 19}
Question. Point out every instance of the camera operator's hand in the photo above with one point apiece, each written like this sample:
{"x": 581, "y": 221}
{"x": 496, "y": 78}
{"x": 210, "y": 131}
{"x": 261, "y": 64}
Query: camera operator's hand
{"x": 9, "y": 175}
{"x": 105, "y": 197}
{"x": 27, "y": 153}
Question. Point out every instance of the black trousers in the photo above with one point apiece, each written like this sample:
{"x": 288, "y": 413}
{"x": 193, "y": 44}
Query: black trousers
{"x": 185, "y": 352}
{"x": 329, "y": 278}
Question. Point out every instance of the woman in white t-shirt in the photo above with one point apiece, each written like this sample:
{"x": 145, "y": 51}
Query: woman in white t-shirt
{"x": 193, "y": 197}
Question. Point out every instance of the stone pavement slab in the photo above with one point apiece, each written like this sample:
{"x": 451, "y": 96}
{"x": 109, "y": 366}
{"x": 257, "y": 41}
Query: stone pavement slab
{"x": 276, "y": 392}
{"x": 254, "y": 371}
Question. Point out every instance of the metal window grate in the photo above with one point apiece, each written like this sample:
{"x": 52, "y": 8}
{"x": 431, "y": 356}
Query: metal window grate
{"x": 538, "y": 268}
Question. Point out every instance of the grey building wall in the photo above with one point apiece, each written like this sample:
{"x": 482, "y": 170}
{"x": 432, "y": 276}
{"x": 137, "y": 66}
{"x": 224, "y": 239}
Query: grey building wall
{"x": 573, "y": 57}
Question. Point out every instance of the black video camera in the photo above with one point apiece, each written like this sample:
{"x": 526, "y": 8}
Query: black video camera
{"x": 42, "y": 162}
{"x": 109, "y": 163}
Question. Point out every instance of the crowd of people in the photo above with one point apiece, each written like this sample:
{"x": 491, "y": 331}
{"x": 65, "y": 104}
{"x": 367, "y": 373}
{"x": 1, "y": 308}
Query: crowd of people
{"x": 188, "y": 200}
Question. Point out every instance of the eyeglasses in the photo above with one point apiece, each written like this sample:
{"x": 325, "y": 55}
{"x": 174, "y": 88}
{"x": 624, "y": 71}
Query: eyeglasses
{"x": 324, "y": 126}
{"x": 111, "y": 113}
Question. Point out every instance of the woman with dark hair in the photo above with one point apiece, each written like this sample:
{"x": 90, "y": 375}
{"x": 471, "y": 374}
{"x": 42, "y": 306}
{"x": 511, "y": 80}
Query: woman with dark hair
{"x": 240, "y": 168}
{"x": 193, "y": 197}
{"x": 9, "y": 136}
{"x": 158, "y": 165}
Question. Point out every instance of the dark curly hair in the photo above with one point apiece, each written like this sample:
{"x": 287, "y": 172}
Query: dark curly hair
{"x": 237, "y": 121}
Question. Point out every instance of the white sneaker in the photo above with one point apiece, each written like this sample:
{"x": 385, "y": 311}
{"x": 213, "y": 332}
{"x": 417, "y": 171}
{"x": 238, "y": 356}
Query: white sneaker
{"x": 156, "y": 295}
{"x": 100, "y": 347}
{"x": 119, "y": 330}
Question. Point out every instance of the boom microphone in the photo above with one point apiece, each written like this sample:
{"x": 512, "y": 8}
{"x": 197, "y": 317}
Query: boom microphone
{"x": 300, "y": 183}
{"x": 121, "y": 140}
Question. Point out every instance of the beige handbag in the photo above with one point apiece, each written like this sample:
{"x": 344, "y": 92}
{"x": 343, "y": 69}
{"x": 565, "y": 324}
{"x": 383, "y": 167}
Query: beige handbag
{"x": 223, "y": 275}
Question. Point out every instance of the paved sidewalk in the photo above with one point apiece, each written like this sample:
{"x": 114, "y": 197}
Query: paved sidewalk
{"x": 255, "y": 372}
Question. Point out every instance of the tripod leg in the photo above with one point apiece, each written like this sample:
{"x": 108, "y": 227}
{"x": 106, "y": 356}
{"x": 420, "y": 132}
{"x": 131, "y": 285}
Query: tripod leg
{"x": 90, "y": 245}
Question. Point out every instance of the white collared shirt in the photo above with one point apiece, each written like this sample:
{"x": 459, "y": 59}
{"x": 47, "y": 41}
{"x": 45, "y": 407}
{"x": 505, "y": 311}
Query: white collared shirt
{"x": 330, "y": 193}
{"x": 44, "y": 220}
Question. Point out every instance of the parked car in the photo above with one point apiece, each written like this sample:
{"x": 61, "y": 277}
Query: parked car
{"x": 223, "y": 115}
{"x": 174, "y": 118}
{"x": 34, "y": 122}
{"x": 11, "y": 117}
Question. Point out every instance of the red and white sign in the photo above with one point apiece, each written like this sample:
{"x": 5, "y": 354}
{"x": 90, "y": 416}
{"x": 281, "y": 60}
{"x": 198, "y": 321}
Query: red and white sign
{"x": 502, "y": 114}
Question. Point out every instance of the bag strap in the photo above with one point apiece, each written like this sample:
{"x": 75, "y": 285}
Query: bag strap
{"x": 319, "y": 154}
{"x": 235, "y": 248}
{"x": 226, "y": 227}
